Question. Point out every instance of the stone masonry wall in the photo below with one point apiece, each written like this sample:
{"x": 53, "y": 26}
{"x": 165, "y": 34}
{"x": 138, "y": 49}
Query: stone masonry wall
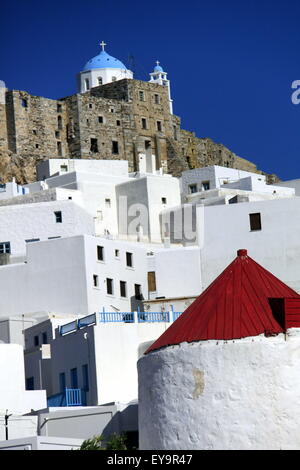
{"x": 119, "y": 120}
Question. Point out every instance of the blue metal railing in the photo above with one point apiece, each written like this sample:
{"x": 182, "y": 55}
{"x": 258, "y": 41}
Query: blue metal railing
{"x": 153, "y": 317}
{"x": 176, "y": 315}
{"x": 73, "y": 397}
{"x": 70, "y": 397}
{"x": 116, "y": 317}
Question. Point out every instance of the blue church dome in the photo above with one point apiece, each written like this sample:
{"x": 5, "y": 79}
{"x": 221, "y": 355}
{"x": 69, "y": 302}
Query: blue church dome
{"x": 158, "y": 68}
{"x": 103, "y": 61}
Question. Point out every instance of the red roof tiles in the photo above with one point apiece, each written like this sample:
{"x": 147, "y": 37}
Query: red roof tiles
{"x": 234, "y": 306}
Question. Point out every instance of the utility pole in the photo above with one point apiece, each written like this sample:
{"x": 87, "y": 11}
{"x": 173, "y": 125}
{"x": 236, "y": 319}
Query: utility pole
{"x": 6, "y": 424}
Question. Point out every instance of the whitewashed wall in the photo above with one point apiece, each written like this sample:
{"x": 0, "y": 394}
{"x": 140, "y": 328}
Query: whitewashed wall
{"x": 225, "y": 229}
{"x": 52, "y": 279}
{"x": 13, "y": 396}
{"x": 216, "y": 175}
{"x": 27, "y": 221}
{"x": 46, "y": 169}
{"x": 232, "y": 395}
{"x": 147, "y": 191}
{"x": 111, "y": 351}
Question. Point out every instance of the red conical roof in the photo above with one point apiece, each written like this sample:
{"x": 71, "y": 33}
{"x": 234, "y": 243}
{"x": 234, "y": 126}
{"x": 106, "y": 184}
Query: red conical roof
{"x": 234, "y": 306}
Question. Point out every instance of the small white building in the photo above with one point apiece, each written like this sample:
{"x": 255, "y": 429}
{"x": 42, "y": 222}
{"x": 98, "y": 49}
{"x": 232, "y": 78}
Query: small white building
{"x": 95, "y": 355}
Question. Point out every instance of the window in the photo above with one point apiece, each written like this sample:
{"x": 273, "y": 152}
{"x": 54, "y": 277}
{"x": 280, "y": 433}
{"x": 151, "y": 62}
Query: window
{"x": 188, "y": 160}
{"x": 52, "y": 238}
{"x": 57, "y": 134}
{"x": 44, "y": 338}
{"x": 175, "y": 132}
{"x": 205, "y": 185}
{"x": 118, "y": 122}
{"x": 138, "y": 292}
{"x": 90, "y": 106}
{"x": 36, "y": 340}
{"x": 74, "y": 378}
{"x": 31, "y": 240}
{"x": 109, "y": 286}
{"x": 85, "y": 377}
{"x": 34, "y": 132}
{"x": 151, "y": 281}
{"x": 115, "y": 147}
{"x": 107, "y": 203}
{"x": 141, "y": 96}
{"x": 192, "y": 188}
{"x": 144, "y": 123}
{"x": 100, "y": 81}
{"x": 100, "y": 119}
{"x": 5, "y": 247}
{"x": 86, "y": 84}
{"x": 112, "y": 110}
{"x": 24, "y": 103}
{"x": 30, "y": 383}
{"x": 100, "y": 253}
{"x": 63, "y": 168}
{"x": 129, "y": 259}
{"x": 95, "y": 280}
{"x": 255, "y": 221}
{"x": 123, "y": 289}
{"x": 156, "y": 99}
{"x": 87, "y": 122}
{"x": 59, "y": 122}
{"x": 164, "y": 200}
{"x": 59, "y": 108}
{"x": 94, "y": 145}
{"x": 117, "y": 253}
{"x": 62, "y": 381}
{"x": 113, "y": 79}
{"x": 36, "y": 146}
{"x": 59, "y": 148}
{"x": 158, "y": 125}
{"x": 58, "y": 217}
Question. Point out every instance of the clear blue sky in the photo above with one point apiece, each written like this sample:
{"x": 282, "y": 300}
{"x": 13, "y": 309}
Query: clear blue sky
{"x": 231, "y": 63}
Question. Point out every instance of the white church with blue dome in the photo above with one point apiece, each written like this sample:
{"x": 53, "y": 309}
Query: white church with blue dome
{"x": 103, "y": 69}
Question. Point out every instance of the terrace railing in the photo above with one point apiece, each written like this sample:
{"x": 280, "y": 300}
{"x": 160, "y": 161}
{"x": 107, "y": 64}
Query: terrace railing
{"x": 153, "y": 317}
{"x": 70, "y": 397}
{"x": 118, "y": 317}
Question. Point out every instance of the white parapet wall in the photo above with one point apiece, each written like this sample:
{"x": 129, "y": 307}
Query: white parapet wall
{"x": 41, "y": 443}
{"x": 14, "y": 399}
{"x": 240, "y": 394}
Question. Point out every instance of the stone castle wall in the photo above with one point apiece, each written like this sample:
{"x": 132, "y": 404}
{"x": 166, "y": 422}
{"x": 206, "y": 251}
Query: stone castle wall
{"x": 119, "y": 120}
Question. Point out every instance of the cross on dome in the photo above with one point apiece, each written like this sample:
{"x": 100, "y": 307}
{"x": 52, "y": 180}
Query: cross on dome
{"x": 157, "y": 62}
{"x": 102, "y": 44}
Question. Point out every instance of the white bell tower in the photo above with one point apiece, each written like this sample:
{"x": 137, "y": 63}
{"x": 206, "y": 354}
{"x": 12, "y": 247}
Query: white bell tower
{"x": 160, "y": 77}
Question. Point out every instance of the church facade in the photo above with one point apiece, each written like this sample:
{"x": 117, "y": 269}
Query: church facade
{"x": 113, "y": 116}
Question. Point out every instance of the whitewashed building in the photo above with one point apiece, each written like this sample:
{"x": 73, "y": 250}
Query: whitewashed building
{"x": 95, "y": 355}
